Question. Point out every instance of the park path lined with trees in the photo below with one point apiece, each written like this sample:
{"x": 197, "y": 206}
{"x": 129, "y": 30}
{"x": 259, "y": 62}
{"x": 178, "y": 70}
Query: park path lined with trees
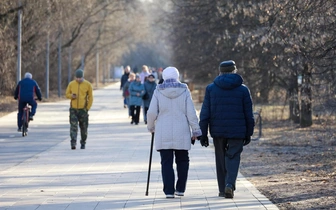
{"x": 284, "y": 49}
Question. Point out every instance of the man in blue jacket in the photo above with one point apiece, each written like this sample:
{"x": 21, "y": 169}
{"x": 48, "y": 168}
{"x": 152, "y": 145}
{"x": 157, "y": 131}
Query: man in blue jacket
{"x": 26, "y": 90}
{"x": 227, "y": 113}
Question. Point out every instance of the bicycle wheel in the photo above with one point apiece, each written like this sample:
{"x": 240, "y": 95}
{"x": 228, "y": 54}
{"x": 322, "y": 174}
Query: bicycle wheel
{"x": 24, "y": 123}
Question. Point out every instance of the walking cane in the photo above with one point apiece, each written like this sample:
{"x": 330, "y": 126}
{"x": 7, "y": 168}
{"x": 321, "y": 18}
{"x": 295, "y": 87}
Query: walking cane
{"x": 150, "y": 163}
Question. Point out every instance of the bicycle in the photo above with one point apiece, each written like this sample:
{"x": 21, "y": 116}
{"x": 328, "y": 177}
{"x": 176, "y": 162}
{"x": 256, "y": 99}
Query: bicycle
{"x": 25, "y": 120}
{"x": 258, "y": 125}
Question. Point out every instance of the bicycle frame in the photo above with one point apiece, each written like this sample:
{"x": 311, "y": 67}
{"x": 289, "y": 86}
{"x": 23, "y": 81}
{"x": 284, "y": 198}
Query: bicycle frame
{"x": 258, "y": 126}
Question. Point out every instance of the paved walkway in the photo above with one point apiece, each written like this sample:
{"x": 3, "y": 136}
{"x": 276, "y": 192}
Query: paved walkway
{"x": 41, "y": 172}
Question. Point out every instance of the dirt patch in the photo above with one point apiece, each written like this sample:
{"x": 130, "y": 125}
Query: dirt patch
{"x": 8, "y": 104}
{"x": 294, "y": 167}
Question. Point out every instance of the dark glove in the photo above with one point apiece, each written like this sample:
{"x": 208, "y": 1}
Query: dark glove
{"x": 15, "y": 97}
{"x": 204, "y": 141}
{"x": 40, "y": 99}
{"x": 247, "y": 140}
{"x": 192, "y": 141}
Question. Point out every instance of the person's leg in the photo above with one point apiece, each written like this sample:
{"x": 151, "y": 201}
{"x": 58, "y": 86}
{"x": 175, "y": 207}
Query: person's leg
{"x": 145, "y": 114}
{"x": 128, "y": 107}
{"x": 167, "y": 171}
{"x": 125, "y": 102}
{"x": 232, "y": 160}
{"x": 137, "y": 114}
{"x": 73, "y": 126}
{"x": 182, "y": 167}
{"x": 21, "y": 105}
{"x": 83, "y": 119}
{"x": 132, "y": 108}
{"x": 33, "y": 105}
{"x": 220, "y": 146}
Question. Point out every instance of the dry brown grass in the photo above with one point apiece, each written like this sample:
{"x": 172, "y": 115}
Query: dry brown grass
{"x": 294, "y": 167}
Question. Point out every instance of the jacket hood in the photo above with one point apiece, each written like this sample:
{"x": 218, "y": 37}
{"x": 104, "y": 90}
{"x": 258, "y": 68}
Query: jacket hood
{"x": 172, "y": 88}
{"x": 228, "y": 81}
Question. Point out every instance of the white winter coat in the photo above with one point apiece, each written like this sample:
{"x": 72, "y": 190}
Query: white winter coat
{"x": 172, "y": 116}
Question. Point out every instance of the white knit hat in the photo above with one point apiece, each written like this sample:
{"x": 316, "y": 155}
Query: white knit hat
{"x": 170, "y": 73}
{"x": 28, "y": 75}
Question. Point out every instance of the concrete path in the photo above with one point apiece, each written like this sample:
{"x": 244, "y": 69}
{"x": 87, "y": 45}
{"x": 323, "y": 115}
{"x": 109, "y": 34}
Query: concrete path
{"x": 41, "y": 172}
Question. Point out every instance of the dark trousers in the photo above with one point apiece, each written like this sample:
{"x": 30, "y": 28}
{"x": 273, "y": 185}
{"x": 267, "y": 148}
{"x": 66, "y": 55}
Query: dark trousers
{"x": 145, "y": 113}
{"x": 227, "y": 154}
{"x": 81, "y": 117}
{"x": 21, "y": 105}
{"x": 135, "y": 113}
{"x": 167, "y": 170}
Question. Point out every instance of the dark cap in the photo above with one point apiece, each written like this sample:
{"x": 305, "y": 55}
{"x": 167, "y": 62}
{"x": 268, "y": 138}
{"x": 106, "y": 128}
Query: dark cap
{"x": 151, "y": 75}
{"x": 79, "y": 73}
{"x": 227, "y": 66}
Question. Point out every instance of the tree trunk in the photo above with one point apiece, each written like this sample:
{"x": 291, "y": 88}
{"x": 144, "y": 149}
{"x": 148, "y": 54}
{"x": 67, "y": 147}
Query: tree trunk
{"x": 294, "y": 109}
{"x": 306, "y": 119}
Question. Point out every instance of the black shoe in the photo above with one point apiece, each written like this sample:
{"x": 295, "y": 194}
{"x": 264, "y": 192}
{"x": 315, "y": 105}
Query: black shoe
{"x": 132, "y": 122}
{"x": 73, "y": 147}
{"x": 31, "y": 118}
{"x": 19, "y": 130}
{"x": 221, "y": 194}
{"x": 145, "y": 122}
{"x": 83, "y": 146}
{"x": 136, "y": 123}
{"x": 228, "y": 191}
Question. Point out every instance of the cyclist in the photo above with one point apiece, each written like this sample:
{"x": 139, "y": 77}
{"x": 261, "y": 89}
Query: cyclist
{"x": 26, "y": 90}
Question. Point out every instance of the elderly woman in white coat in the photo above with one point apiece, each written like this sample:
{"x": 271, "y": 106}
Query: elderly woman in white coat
{"x": 172, "y": 116}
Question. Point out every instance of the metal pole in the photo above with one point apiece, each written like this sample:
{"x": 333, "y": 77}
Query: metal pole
{"x": 97, "y": 68}
{"x": 47, "y": 66}
{"x": 104, "y": 67}
{"x": 59, "y": 65}
{"x": 18, "y": 72}
{"x": 70, "y": 64}
{"x": 47, "y": 54}
{"x": 82, "y": 63}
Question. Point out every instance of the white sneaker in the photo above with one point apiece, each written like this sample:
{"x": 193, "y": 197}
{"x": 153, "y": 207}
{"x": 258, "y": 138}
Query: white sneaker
{"x": 179, "y": 193}
{"x": 170, "y": 196}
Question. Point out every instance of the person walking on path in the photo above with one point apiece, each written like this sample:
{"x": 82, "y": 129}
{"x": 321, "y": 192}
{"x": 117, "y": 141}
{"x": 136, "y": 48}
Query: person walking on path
{"x": 25, "y": 92}
{"x": 126, "y": 93}
{"x": 144, "y": 74}
{"x": 123, "y": 80}
{"x": 150, "y": 86}
{"x": 136, "y": 90}
{"x": 80, "y": 92}
{"x": 227, "y": 112}
{"x": 172, "y": 116}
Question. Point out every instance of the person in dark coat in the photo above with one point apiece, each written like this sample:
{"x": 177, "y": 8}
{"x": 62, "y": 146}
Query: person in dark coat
{"x": 150, "y": 86}
{"x": 123, "y": 80}
{"x": 126, "y": 93}
{"x": 26, "y": 91}
{"x": 227, "y": 113}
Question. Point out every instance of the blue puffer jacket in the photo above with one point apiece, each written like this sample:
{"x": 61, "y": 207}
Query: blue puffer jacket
{"x": 149, "y": 89}
{"x": 135, "y": 88}
{"x": 227, "y": 108}
{"x": 27, "y": 89}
